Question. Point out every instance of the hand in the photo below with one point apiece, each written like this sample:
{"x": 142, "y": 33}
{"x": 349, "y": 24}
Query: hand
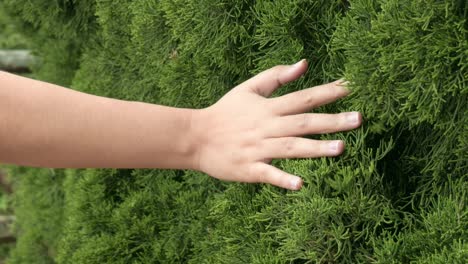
{"x": 240, "y": 135}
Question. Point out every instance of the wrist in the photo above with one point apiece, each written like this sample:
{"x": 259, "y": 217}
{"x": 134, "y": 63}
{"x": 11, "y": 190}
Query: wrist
{"x": 196, "y": 129}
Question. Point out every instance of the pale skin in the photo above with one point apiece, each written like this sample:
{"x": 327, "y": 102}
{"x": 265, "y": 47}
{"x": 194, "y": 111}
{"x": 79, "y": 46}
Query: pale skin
{"x": 44, "y": 125}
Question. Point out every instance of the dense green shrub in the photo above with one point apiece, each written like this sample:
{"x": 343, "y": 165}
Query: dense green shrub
{"x": 397, "y": 195}
{"x": 58, "y": 31}
{"x": 38, "y": 205}
{"x": 10, "y": 38}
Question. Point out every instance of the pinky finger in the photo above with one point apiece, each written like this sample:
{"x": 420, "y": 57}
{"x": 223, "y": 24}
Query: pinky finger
{"x": 266, "y": 173}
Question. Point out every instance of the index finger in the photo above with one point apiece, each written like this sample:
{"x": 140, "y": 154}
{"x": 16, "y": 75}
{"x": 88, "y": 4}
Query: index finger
{"x": 305, "y": 100}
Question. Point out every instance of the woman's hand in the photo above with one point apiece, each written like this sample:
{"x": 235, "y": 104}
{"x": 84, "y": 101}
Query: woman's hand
{"x": 238, "y": 137}
{"x": 45, "y": 125}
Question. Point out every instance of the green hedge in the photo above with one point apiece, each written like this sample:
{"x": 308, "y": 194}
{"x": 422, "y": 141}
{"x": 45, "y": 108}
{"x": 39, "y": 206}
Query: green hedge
{"x": 397, "y": 195}
{"x": 38, "y": 204}
{"x": 57, "y": 31}
{"x": 10, "y": 38}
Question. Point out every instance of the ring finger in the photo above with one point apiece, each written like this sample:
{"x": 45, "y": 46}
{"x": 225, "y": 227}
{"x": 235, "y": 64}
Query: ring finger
{"x": 304, "y": 124}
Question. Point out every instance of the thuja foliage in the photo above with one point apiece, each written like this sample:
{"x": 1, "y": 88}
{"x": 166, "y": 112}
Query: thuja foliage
{"x": 58, "y": 30}
{"x": 38, "y": 206}
{"x": 10, "y": 38}
{"x": 397, "y": 195}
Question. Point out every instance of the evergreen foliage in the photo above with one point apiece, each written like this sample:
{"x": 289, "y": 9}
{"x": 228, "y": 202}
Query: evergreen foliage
{"x": 58, "y": 31}
{"x": 9, "y": 37}
{"x": 39, "y": 209}
{"x": 398, "y": 194}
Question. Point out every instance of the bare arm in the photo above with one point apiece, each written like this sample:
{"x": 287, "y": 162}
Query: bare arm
{"x": 235, "y": 139}
{"x": 46, "y": 125}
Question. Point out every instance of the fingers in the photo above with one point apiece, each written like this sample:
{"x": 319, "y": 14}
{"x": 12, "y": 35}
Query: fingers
{"x": 305, "y": 100}
{"x": 296, "y": 147}
{"x": 304, "y": 124}
{"x": 268, "y": 174}
{"x": 266, "y": 82}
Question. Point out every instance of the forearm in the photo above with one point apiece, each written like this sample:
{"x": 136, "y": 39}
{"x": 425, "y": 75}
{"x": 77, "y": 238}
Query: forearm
{"x": 49, "y": 126}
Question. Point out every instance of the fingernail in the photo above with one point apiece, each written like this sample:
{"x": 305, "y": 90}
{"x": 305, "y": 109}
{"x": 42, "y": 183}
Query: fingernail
{"x": 342, "y": 82}
{"x": 298, "y": 64}
{"x": 335, "y": 145}
{"x": 296, "y": 183}
{"x": 353, "y": 117}
{"x": 296, "y": 67}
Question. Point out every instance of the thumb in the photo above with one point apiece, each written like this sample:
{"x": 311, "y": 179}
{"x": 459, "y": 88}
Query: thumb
{"x": 266, "y": 82}
{"x": 266, "y": 173}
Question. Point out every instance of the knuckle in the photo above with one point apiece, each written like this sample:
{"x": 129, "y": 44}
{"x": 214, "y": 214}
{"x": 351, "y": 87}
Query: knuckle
{"x": 303, "y": 121}
{"x": 309, "y": 99}
{"x": 274, "y": 71}
{"x": 277, "y": 72}
{"x": 288, "y": 146}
